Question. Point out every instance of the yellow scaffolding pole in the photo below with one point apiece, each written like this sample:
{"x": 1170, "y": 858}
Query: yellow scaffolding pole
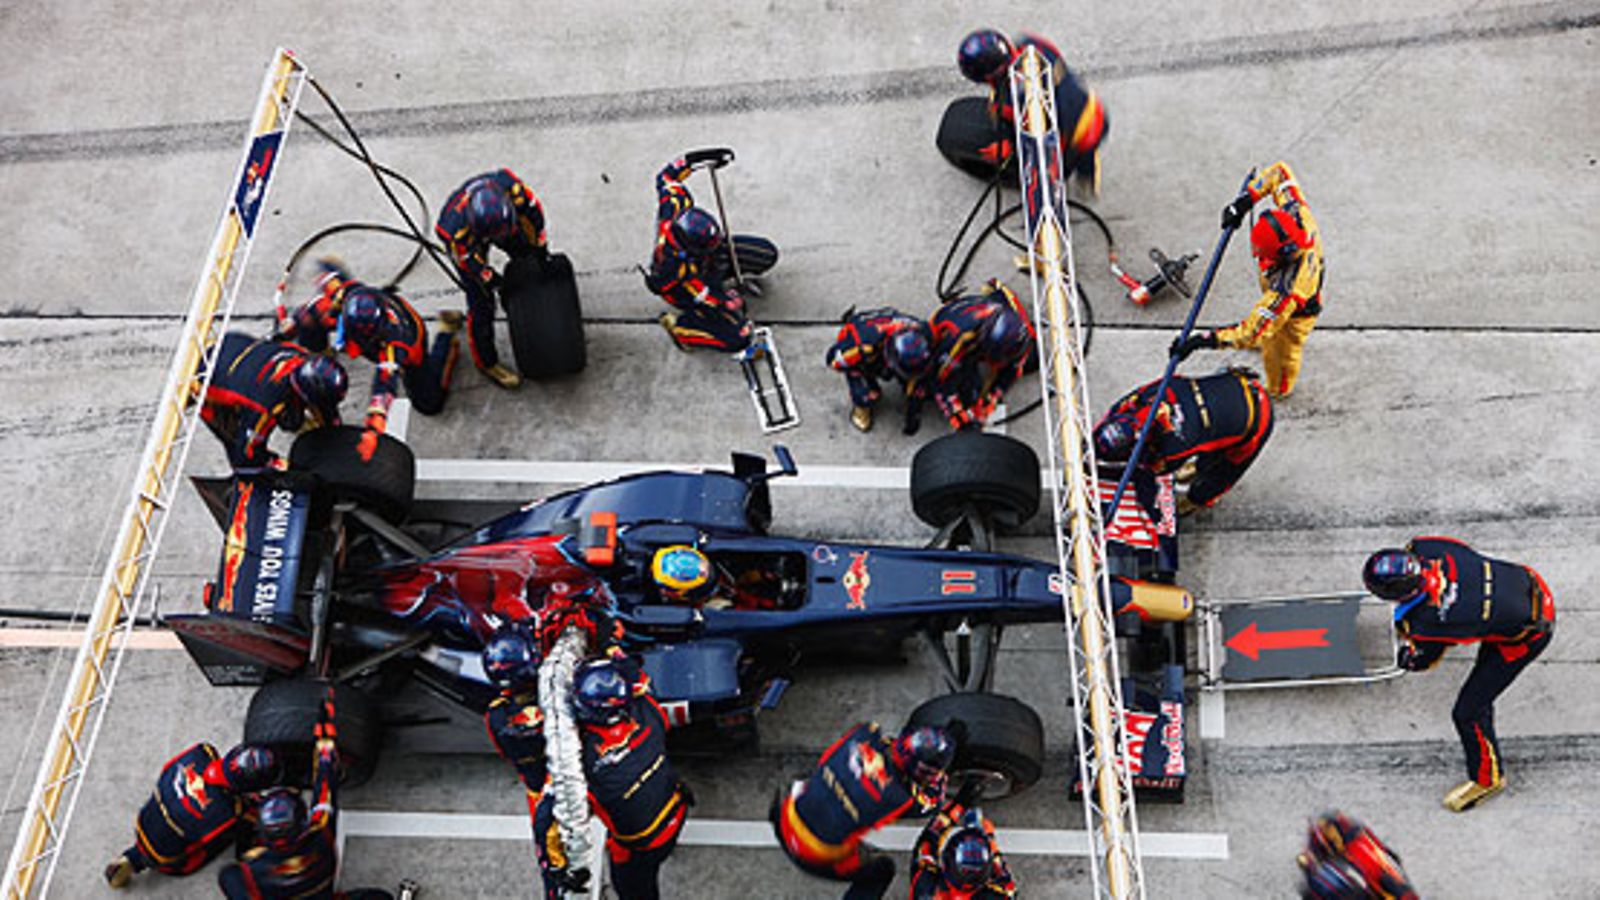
{"x": 122, "y": 588}
{"x": 1109, "y": 815}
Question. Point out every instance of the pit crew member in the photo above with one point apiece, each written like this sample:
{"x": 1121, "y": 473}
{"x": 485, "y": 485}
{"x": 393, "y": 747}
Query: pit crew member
{"x": 985, "y": 57}
{"x": 957, "y": 858}
{"x": 196, "y": 810}
{"x": 1446, "y": 593}
{"x": 1287, "y": 246}
{"x": 495, "y": 209}
{"x": 1220, "y": 422}
{"x": 881, "y": 345}
{"x": 864, "y": 781}
{"x": 981, "y": 347}
{"x": 383, "y": 328}
{"x": 261, "y": 385}
{"x": 1344, "y": 859}
{"x": 691, "y": 266}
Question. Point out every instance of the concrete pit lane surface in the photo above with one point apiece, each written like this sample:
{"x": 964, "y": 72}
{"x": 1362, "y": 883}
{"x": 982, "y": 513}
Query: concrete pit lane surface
{"x": 1448, "y": 150}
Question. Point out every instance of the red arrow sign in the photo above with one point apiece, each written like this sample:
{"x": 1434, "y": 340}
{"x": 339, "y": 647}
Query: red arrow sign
{"x": 1250, "y": 641}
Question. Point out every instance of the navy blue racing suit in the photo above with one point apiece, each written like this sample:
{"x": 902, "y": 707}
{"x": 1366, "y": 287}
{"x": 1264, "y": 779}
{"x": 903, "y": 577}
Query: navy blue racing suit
{"x": 191, "y": 816}
{"x": 858, "y": 352}
{"x": 470, "y": 252}
{"x": 250, "y": 396}
{"x": 967, "y": 383}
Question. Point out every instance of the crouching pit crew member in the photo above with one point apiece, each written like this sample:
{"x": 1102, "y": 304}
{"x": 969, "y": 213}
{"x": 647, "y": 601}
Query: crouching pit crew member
{"x": 1447, "y": 593}
{"x": 981, "y": 347}
{"x": 261, "y": 385}
{"x": 876, "y": 346}
{"x": 863, "y": 782}
{"x": 957, "y": 857}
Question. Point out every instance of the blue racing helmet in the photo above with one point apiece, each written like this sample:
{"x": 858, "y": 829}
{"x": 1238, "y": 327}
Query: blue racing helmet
{"x": 600, "y": 693}
{"x": 967, "y": 854}
{"x": 490, "y": 214}
{"x": 683, "y": 573}
{"x": 511, "y": 657}
{"x": 696, "y": 231}
{"x": 984, "y": 54}
{"x": 924, "y": 752}
{"x": 909, "y": 353}
{"x": 251, "y": 767}
{"x": 361, "y": 322}
{"x": 281, "y": 818}
{"x": 1004, "y": 336}
{"x": 320, "y": 383}
{"x": 1393, "y": 574}
{"x": 1115, "y": 436}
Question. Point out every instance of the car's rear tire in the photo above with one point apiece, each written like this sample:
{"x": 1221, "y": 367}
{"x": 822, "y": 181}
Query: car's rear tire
{"x": 996, "y": 474}
{"x": 282, "y": 714}
{"x": 544, "y": 316}
{"x": 385, "y": 482}
{"x": 1002, "y": 740}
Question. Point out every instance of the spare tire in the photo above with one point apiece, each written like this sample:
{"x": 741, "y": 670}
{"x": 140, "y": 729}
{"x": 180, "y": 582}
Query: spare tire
{"x": 966, "y": 128}
{"x": 998, "y": 475}
{"x": 540, "y": 297}
{"x": 282, "y": 714}
{"x": 385, "y": 481}
{"x": 1001, "y": 739}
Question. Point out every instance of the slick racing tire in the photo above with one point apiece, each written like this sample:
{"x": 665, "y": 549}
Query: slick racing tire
{"x": 965, "y": 128}
{"x": 544, "y": 317}
{"x": 995, "y": 474}
{"x": 282, "y": 714}
{"x": 385, "y": 483}
{"x": 1000, "y": 741}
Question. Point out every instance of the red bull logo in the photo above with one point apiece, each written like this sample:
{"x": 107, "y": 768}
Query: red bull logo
{"x": 856, "y": 580}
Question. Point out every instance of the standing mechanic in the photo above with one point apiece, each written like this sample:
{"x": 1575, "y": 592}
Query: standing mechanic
{"x": 382, "y": 327}
{"x": 495, "y": 209}
{"x": 1288, "y": 249}
{"x": 957, "y": 858}
{"x": 691, "y": 265}
{"x": 863, "y": 782}
{"x": 298, "y": 855}
{"x": 195, "y": 811}
{"x": 879, "y": 345}
{"x": 262, "y": 384}
{"x": 1344, "y": 859}
{"x": 981, "y": 347}
{"x": 986, "y": 56}
{"x": 1221, "y": 422}
{"x": 1447, "y": 593}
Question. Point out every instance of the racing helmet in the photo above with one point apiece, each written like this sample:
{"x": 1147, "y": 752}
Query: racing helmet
{"x": 281, "y": 818}
{"x": 1276, "y": 237}
{"x": 1004, "y": 336}
{"x": 1334, "y": 878}
{"x": 984, "y": 54}
{"x": 1330, "y": 833}
{"x": 490, "y": 213}
{"x": 251, "y": 767}
{"x": 320, "y": 383}
{"x": 511, "y": 657}
{"x": 696, "y": 231}
{"x": 1115, "y": 436}
{"x": 967, "y": 854}
{"x": 924, "y": 753}
{"x": 361, "y": 322}
{"x": 683, "y": 573}
{"x": 909, "y": 353}
{"x": 1393, "y": 574}
{"x": 600, "y": 693}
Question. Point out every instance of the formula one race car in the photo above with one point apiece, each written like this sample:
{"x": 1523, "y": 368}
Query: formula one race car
{"x": 332, "y": 570}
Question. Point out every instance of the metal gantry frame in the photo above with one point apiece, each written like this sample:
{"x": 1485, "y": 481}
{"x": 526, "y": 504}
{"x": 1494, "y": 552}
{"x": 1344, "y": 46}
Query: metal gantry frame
{"x": 1109, "y": 815}
{"x": 124, "y": 583}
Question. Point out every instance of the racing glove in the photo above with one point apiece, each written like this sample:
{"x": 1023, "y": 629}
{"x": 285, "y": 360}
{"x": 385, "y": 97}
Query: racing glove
{"x": 1406, "y": 658}
{"x": 1233, "y": 214}
{"x": 574, "y": 881}
{"x": 1182, "y": 347}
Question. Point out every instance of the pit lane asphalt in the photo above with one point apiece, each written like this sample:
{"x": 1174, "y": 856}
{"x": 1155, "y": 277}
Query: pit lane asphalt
{"x": 1447, "y": 148}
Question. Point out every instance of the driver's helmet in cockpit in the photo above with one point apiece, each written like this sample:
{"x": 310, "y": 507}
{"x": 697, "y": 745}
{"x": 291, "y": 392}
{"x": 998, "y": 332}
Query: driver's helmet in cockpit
{"x": 683, "y": 574}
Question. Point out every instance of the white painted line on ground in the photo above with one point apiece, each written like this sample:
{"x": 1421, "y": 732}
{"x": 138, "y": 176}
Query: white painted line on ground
{"x": 757, "y": 834}
{"x": 1213, "y": 715}
{"x": 73, "y": 637}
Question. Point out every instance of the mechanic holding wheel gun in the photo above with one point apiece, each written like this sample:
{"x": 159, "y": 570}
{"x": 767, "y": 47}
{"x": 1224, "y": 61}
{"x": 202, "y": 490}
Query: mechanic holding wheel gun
{"x": 981, "y": 347}
{"x": 863, "y": 782}
{"x": 693, "y": 260}
{"x": 1446, "y": 593}
{"x": 1220, "y": 422}
{"x": 262, "y": 384}
{"x": 1288, "y": 249}
{"x": 298, "y": 854}
{"x": 383, "y": 328}
{"x": 881, "y": 345}
{"x": 196, "y": 810}
{"x": 495, "y": 209}
{"x": 957, "y": 857}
